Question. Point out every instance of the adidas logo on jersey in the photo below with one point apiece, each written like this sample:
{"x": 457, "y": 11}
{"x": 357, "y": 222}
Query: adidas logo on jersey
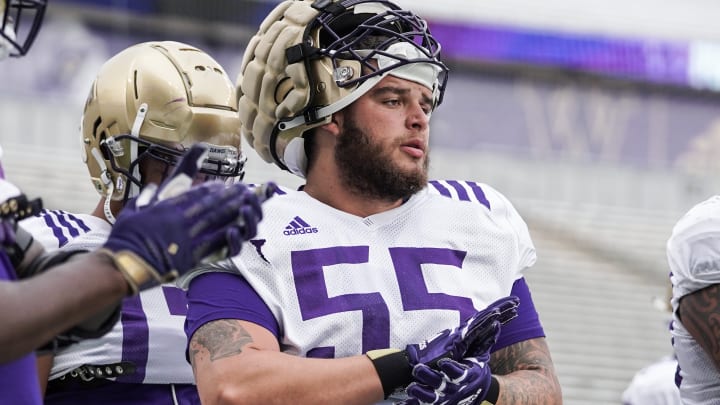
{"x": 299, "y": 227}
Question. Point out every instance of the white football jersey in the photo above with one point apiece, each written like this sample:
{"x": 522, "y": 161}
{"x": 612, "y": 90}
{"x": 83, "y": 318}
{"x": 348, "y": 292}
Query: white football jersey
{"x": 693, "y": 253}
{"x": 654, "y": 385}
{"x": 340, "y": 285}
{"x": 150, "y": 332}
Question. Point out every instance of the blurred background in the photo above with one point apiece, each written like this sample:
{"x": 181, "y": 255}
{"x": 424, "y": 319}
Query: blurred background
{"x": 599, "y": 120}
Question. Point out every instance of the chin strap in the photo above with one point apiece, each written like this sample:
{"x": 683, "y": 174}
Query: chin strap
{"x": 135, "y": 133}
{"x": 106, "y": 178}
{"x": 106, "y": 208}
{"x": 107, "y": 183}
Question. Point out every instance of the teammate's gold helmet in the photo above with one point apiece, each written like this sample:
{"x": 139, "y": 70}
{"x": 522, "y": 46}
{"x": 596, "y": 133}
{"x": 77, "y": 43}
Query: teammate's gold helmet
{"x": 154, "y": 100}
{"x": 311, "y": 59}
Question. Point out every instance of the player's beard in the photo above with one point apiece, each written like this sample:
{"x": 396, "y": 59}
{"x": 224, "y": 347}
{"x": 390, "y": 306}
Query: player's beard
{"x": 370, "y": 171}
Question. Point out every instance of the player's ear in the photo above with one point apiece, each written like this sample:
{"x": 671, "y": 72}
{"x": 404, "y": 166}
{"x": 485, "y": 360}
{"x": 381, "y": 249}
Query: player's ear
{"x": 333, "y": 127}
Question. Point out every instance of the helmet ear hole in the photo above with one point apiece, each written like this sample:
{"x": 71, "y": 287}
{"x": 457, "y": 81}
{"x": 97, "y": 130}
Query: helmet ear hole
{"x": 284, "y": 87}
{"x": 104, "y": 150}
{"x": 96, "y": 125}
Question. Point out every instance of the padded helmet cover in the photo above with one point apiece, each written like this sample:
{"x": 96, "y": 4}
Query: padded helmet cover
{"x": 310, "y": 59}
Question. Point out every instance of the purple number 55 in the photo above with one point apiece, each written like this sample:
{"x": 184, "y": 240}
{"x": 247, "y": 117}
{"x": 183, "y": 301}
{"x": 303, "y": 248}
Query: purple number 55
{"x": 315, "y": 302}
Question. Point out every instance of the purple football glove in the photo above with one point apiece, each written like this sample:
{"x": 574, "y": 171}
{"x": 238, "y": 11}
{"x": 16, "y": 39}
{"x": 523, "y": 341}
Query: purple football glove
{"x": 167, "y": 231}
{"x": 454, "y": 343}
{"x": 465, "y": 382}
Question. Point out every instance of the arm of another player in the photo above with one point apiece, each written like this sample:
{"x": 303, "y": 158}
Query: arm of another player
{"x": 694, "y": 256}
{"x": 35, "y": 310}
{"x": 699, "y": 312}
{"x": 149, "y": 244}
{"x": 38, "y": 308}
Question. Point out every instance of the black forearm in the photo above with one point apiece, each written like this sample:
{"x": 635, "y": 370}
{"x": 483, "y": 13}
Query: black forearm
{"x": 37, "y": 309}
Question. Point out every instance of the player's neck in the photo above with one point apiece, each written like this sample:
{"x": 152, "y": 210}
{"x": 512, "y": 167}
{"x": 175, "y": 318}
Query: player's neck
{"x": 330, "y": 191}
{"x": 99, "y": 211}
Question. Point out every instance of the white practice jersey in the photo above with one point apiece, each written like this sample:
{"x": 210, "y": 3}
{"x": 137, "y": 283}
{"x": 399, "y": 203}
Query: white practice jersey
{"x": 654, "y": 385}
{"x": 340, "y": 285}
{"x": 150, "y": 331}
{"x": 694, "y": 256}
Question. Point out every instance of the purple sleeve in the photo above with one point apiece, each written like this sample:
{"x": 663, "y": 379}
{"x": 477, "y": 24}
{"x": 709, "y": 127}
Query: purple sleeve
{"x": 19, "y": 383}
{"x": 526, "y": 325}
{"x": 213, "y": 296}
{"x": 18, "y": 378}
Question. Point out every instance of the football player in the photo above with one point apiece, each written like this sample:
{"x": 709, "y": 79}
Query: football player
{"x": 349, "y": 276}
{"x": 693, "y": 252}
{"x": 59, "y": 293}
{"x": 148, "y": 104}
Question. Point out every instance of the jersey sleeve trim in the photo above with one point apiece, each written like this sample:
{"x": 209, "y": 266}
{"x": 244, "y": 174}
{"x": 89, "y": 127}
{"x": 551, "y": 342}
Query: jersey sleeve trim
{"x": 527, "y": 324}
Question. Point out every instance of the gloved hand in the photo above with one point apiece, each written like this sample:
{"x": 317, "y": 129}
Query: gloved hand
{"x": 478, "y": 332}
{"x": 465, "y": 382}
{"x": 468, "y": 381}
{"x": 454, "y": 343}
{"x": 170, "y": 229}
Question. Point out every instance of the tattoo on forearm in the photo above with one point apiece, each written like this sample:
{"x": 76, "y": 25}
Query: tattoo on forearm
{"x": 223, "y": 338}
{"x": 536, "y": 382}
{"x": 530, "y": 354}
{"x": 700, "y": 314}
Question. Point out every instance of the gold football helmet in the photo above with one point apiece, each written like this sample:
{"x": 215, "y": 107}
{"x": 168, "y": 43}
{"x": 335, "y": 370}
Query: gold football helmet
{"x": 154, "y": 100}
